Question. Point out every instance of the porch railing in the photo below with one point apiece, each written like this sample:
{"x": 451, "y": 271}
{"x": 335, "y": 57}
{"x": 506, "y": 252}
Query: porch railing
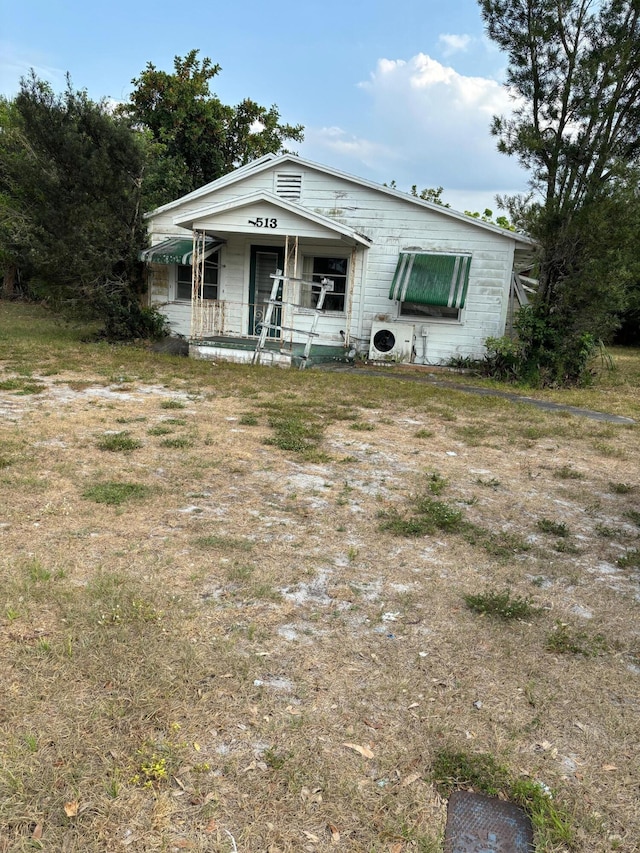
{"x": 208, "y": 318}
{"x": 213, "y": 317}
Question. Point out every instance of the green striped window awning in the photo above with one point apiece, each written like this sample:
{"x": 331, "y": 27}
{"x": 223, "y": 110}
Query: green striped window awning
{"x": 430, "y": 279}
{"x": 176, "y": 250}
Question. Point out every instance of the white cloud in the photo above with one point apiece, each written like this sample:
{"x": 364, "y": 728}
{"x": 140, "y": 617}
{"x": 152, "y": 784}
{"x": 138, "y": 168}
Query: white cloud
{"x": 439, "y": 86}
{"x": 14, "y": 64}
{"x": 451, "y": 43}
{"x": 345, "y": 145}
{"x": 426, "y": 124}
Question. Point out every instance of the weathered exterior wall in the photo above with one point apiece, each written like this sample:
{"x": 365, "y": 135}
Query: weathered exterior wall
{"x": 396, "y": 224}
{"x": 391, "y": 221}
{"x": 162, "y": 295}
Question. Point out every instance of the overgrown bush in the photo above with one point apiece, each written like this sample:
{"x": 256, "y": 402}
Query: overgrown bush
{"x": 116, "y": 305}
{"x": 541, "y": 354}
{"x": 125, "y": 320}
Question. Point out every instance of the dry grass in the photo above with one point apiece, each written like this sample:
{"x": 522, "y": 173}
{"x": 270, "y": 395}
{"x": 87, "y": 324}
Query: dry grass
{"x": 191, "y": 665}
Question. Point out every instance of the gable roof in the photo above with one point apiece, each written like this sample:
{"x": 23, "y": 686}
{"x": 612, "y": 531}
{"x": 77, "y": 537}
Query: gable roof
{"x": 270, "y": 161}
{"x": 189, "y": 220}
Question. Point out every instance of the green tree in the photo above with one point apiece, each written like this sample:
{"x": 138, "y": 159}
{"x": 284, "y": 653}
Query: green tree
{"x": 197, "y": 135}
{"x": 11, "y": 219}
{"x": 71, "y": 178}
{"x": 574, "y": 71}
{"x": 432, "y": 194}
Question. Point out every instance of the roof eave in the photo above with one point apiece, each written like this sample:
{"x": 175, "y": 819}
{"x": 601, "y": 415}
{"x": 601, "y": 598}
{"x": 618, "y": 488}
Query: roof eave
{"x": 429, "y": 205}
{"x": 191, "y": 219}
{"x": 271, "y": 160}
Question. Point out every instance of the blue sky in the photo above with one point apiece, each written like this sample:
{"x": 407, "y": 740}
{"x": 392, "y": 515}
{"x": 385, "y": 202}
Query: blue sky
{"x": 398, "y": 90}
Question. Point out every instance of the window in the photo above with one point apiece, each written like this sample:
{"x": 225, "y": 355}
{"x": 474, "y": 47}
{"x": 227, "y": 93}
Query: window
{"x": 429, "y": 312}
{"x": 183, "y": 280}
{"x": 335, "y": 269}
{"x": 431, "y": 286}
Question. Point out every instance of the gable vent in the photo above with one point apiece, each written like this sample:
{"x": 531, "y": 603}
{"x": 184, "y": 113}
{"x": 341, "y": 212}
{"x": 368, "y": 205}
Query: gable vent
{"x": 289, "y": 186}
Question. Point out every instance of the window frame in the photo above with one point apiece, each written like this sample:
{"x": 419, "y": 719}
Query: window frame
{"x": 423, "y": 317}
{"x": 211, "y": 264}
{"x": 309, "y": 265}
{"x": 426, "y": 312}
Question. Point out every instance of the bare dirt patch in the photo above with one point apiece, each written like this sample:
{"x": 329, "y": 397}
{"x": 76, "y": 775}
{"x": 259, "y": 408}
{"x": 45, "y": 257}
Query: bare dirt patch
{"x": 193, "y": 669}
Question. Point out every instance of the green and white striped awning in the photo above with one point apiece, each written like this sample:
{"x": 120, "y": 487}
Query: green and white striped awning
{"x": 176, "y": 250}
{"x": 430, "y": 279}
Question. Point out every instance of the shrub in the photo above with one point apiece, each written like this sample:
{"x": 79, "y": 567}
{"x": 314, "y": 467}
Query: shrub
{"x": 541, "y": 353}
{"x": 123, "y": 317}
{"x": 128, "y": 320}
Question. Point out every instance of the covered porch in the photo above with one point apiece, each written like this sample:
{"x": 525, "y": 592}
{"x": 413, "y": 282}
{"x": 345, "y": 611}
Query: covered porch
{"x": 234, "y": 252}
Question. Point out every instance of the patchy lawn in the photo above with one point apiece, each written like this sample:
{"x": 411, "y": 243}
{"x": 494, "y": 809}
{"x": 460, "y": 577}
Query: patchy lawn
{"x": 262, "y": 610}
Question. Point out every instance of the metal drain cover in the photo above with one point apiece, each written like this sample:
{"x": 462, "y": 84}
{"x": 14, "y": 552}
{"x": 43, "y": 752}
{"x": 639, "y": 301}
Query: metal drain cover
{"x": 479, "y": 824}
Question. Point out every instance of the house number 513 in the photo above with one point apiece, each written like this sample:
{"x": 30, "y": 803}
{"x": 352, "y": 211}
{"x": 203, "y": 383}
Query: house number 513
{"x": 262, "y": 222}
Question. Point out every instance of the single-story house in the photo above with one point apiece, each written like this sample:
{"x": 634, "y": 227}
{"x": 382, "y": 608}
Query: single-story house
{"x": 285, "y": 261}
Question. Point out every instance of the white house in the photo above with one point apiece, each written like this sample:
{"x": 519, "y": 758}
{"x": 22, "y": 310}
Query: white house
{"x": 359, "y": 269}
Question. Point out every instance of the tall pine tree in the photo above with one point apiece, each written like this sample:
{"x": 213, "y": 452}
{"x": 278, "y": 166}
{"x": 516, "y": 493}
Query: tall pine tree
{"x": 574, "y": 72}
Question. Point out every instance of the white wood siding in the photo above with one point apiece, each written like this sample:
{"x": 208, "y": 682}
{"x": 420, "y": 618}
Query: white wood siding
{"x": 393, "y": 224}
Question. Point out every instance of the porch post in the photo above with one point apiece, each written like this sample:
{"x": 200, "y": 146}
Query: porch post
{"x": 197, "y": 279}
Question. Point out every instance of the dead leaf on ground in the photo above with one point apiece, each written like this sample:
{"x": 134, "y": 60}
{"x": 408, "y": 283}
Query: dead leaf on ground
{"x": 609, "y": 767}
{"x": 310, "y": 836}
{"x": 335, "y": 834}
{"x": 71, "y": 808}
{"x": 410, "y": 779}
{"x": 37, "y": 832}
{"x": 398, "y": 847}
{"x": 364, "y": 751}
{"x": 211, "y": 826}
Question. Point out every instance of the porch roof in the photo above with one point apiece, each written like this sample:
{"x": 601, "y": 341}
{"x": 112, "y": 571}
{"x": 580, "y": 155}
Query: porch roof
{"x": 227, "y": 217}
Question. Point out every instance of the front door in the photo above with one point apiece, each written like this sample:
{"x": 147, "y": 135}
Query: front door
{"x": 265, "y": 260}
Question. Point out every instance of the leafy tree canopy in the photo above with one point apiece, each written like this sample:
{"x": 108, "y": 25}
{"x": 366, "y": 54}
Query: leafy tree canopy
{"x": 199, "y": 136}
{"x": 70, "y": 184}
{"x": 71, "y": 175}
